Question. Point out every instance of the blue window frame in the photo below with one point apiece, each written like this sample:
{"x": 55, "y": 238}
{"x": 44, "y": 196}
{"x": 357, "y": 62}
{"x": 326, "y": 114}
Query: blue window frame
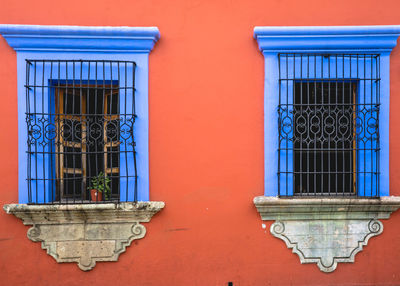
{"x": 327, "y": 47}
{"x": 71, "y": 43}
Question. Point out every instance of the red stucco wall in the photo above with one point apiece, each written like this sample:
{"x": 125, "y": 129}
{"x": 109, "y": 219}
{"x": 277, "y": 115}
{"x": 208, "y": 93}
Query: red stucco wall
{"x": 206, "y": 147}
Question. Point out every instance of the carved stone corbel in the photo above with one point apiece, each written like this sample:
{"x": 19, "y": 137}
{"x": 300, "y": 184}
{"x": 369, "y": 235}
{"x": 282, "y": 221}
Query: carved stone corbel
{"x": 85, "y": 233}
{"x": 326, "y": 231}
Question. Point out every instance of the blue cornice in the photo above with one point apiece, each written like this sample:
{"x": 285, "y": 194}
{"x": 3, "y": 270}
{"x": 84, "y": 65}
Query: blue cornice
{"x": 327, "y": 39}
{"x": 80, "y": 39}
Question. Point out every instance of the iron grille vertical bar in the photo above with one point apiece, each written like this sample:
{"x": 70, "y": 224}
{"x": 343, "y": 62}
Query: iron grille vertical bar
{"x": 378, "y": 74}
{"x": 110, "y": 108}
{"x": 28, "y": 119}
{"x": 329, "y": 134}
{"x": 301, "y": 135}
{"x": 94, "y": 119}
{"x": 308, "y": 129}
{"x": 372, "y": 142}
{"x": 35, "y": 115}
{"x": 83, "y": 135}
{"x": 322, "y": 120}
{"x": 357, "y": 135}
{"x": 300, "y": 153}
{"x": 52, "y": 162}
{"x": 121, "y": 119}
{"x": 88, "y": 128}
{"x": 352, "y": 116}
{"x": 279, "y": 125}
{"x": 59, "y": 133}
{"x": 65, "y": 104}
{"x": 43, "y": 126}
{"x": 287, "y": 113}
{"x": 103, "y": 123}
{"x": 74, "y": 125}
{"x": 133, "y": 139}
{"x": 364, "y": 159}
{"x": 315, "y": 135}
{"x": 337, "y": 127}
{"x": 343, "y": 139}
{"x": 126, "y": 155}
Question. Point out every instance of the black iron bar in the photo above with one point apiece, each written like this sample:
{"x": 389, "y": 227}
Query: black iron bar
{"x": 65, "y": 100}
{"x": 308, "y": 129}
{"x": 126, "y": 155}
{"x": 88, "y": 130}
{"x": 315, "y": 114}
{"x": 118, "y": 109}
{"x": 352, "y": 116}
{"x": 108, "y": 124}
{"x": 364, "y": 142}
{"x": 287, "y": 111}
{"x": 135, "y": 193}
{"x": 95, "y": 121}
{"x": 83, "y": 133}
{"x": 378, "y": 69}
{"x": 329, "y": 114}
{"x": 29, "y": 149}
{"x": 59, "y": 135}
{"x": 342, "y": 139}
{"x": 50, "y": 142}
{"x": 43, "y": 138}
{"x": 322, "y": 120}
{"x": 372, "y": 142}
{"x": 36, "y": 147}
{"x": 337, "y": 126}
{"x": 74, "y": 125}
{"x": 301, "y": 135}
{"x": 279, "y": 126}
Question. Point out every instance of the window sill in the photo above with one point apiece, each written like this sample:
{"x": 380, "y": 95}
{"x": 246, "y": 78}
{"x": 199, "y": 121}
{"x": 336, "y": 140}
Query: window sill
{"x": 326, "y": 231}
{"x": 85, "y": 233}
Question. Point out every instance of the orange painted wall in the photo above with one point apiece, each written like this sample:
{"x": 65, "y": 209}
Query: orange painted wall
{"x": 206, "y": 147}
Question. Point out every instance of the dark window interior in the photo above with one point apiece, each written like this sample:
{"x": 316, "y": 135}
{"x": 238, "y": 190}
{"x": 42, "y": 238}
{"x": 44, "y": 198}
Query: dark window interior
{"x": 90, "y": 126}
{"x": 324, "y": 137}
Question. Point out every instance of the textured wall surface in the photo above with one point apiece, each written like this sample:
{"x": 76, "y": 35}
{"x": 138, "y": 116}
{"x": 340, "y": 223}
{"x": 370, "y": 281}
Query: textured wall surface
{"x": 206, "y": 147}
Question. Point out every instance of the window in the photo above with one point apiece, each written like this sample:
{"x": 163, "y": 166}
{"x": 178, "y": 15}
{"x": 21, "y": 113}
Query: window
{"x": 80, "y": 121}
{"x": 302, "y": 65}
{"x": 83, "y": 123}
{"x": 82, "y": 111}
{"x": 328, "y": 120}
{"x": 326, "y": 144}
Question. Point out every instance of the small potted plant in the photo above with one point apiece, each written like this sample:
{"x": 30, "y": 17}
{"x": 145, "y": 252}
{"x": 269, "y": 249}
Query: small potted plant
{"x": 99, "y": 185}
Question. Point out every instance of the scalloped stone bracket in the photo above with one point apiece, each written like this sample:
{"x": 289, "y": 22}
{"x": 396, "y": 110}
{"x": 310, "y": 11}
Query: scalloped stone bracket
{"x": 326, "y": 231}
{"x": 326, "y": 242}
{"x": 85, "y": 233}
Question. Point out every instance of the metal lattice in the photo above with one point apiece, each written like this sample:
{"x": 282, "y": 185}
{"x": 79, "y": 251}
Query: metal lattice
{"x": 80, "y": 119}
{"x": 328, "y": 124}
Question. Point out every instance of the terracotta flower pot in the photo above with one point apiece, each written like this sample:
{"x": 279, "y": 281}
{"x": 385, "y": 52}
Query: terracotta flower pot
{"x": 96, "y": 195}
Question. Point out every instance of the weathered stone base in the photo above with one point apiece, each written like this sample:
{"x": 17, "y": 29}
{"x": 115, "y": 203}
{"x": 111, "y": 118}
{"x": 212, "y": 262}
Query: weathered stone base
{"x": 85, "y": 233}
{"x": 326, "y": 242}
{"x": 326, "y": 231}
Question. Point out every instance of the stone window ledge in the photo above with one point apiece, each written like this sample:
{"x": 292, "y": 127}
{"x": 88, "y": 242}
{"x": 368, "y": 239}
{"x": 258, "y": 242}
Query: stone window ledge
{"x": 326, "y": 231}
{"x": 85, "y": 233}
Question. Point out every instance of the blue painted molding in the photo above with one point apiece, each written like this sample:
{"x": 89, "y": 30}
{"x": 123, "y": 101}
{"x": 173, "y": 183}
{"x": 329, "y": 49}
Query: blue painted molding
{"x": 327, "y": 39}
{"x": 80, "y": 39}
{"x": 335, "y": 39}
{"x": 85, "y": 43}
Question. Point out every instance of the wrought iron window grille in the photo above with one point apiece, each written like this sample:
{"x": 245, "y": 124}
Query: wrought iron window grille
{"x": 80, "y": 117}
{"x": 328, "y": 123}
